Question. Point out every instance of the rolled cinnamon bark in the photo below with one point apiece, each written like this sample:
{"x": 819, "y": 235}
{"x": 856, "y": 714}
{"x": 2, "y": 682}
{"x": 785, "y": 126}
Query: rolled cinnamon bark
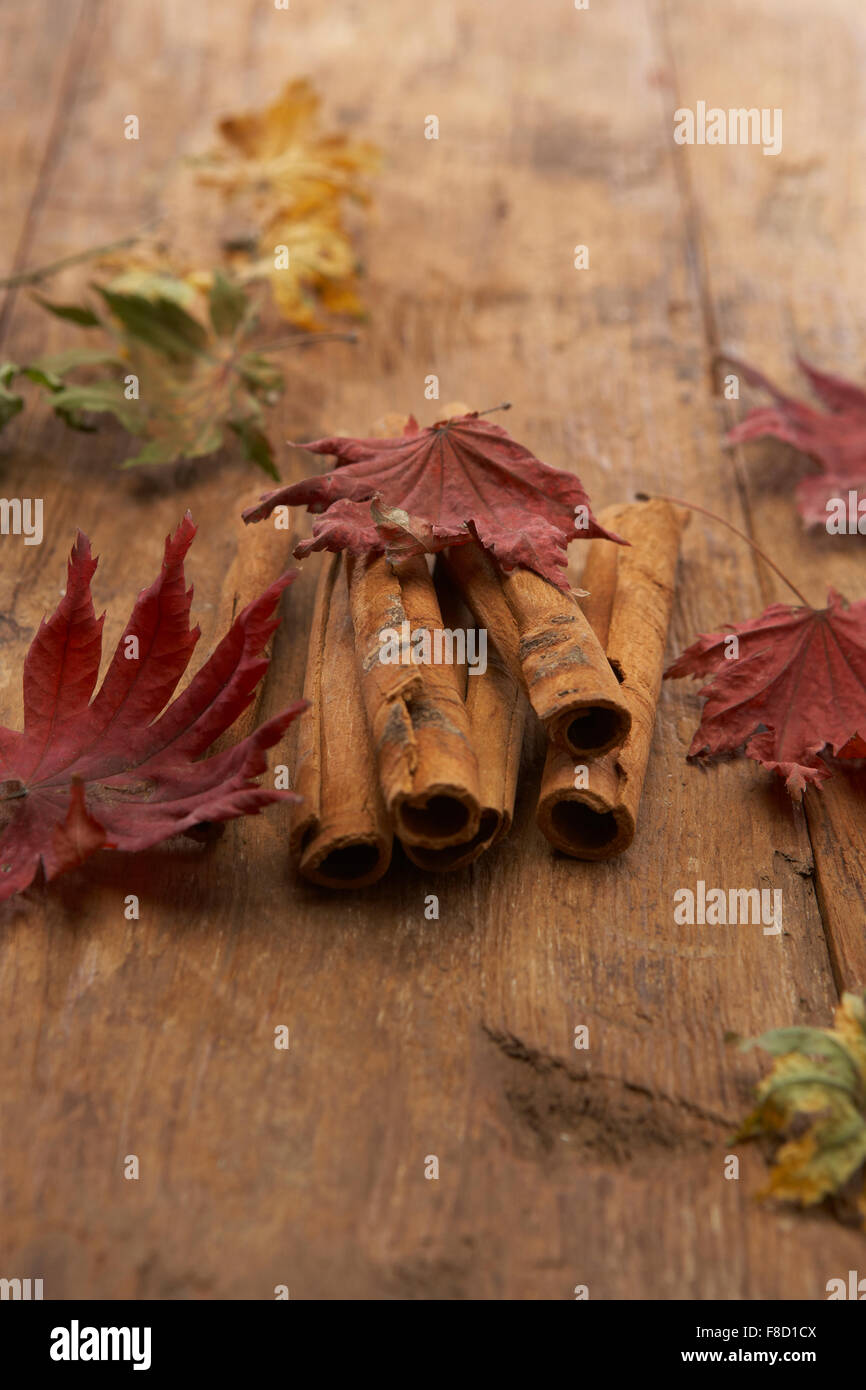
{"x": 257, "y": 563}
{"x": 496, "y": 707}
{"x": 629, "y": 604}
{"x": 341, "y": 834}
{"x": 543, "y": 632}
{"x": 473, "y": 573}
{"x": 428, "y": 770}
{"x": 261, "y": 556}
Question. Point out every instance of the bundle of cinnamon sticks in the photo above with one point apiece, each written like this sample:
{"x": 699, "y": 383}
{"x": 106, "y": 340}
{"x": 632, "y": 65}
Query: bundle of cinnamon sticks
{"x": 411, "y": 735}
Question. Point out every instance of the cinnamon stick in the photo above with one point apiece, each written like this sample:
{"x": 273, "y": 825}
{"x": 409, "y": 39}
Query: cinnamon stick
{"x": 341, "y": 835}
{"x": 261, "y": 555}
{"x": 629, "y": 604}
{"x": 496, "y": 707}
{"x": 256, "y": 564}
{"x": 542, "y": 632}
{"x": 427, "y": 765}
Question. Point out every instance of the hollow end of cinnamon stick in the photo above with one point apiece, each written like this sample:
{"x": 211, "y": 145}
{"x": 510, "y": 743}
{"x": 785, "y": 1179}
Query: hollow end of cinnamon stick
{"x": 570, "y": 682}
{"x": 586, "y": 823}
{"x": 441, "y": 816}
{"x": 550, "y": 648}
{"x": 587, "y": 730}
{"x": 342, "y": 860}
{"x": 491, "y": 827}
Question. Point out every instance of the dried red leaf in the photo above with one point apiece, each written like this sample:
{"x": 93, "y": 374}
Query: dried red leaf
{"x": 836, "y": 440}
{"x": 120, "y": 770}
{"x": 796, "y": 688}
{"x": 466, "y": 478}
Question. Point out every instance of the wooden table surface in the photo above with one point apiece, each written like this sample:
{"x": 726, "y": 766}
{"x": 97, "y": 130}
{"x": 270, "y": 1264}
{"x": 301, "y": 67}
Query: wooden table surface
{"x": 454, "y": 1038}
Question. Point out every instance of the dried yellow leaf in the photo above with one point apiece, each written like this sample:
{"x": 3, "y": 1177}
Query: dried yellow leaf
{"x": 281, "y": 153}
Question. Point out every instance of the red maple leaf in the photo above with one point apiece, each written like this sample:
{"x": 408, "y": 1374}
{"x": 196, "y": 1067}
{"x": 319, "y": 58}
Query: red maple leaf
{"x": 836, "y": 440}
{"x": 796, "y": 687}
{"x": 120, "y": 770}
{"x": 465, "y": 477}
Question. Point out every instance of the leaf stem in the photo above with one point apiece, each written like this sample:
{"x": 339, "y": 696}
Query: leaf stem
{"x": 44, "y": 272}
{"x": 305, "y": 339}
{"x": 694, "y": 507}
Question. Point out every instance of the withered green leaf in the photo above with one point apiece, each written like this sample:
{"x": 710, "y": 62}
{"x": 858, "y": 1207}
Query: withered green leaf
{"x": 160, "y": 323}
{"x": 178, "y": 383}
{"x": 99, "y": 397}
{"x": 256, "y": 445}
{"x": 228, "y": 305}
{"x": 10, "y": 402}
{"x": 73, "y": 313}
{"x": 813, "y": 1102}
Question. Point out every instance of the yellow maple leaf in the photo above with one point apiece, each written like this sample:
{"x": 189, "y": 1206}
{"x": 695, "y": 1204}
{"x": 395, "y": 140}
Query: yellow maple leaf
{"x": 309, "y": 260}
{"x": 296, "y": 178}
{"x": 281, "y": 153}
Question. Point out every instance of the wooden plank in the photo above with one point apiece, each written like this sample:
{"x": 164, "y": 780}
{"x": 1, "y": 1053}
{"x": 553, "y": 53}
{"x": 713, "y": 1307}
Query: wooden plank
{"x": 782, "y": 255}
{"x": 46, "y": 47}
{"x": 412, "y": 1037}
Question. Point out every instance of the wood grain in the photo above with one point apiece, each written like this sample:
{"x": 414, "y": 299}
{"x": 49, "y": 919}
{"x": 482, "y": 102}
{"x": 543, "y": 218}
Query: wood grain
{"x": 452, "y": 1037}
{"x": 779, "y": 249}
